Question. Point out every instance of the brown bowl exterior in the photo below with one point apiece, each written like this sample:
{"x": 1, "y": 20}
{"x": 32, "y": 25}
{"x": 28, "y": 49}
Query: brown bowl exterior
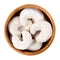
{"x": 12, "y": 14}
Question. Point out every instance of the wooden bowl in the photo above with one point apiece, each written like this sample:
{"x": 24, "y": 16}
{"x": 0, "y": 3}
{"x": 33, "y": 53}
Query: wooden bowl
{"x": 16, "y": 13}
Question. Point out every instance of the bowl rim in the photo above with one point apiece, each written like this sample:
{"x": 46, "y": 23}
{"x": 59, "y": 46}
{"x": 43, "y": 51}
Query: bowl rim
{"x": 30, "y": 6}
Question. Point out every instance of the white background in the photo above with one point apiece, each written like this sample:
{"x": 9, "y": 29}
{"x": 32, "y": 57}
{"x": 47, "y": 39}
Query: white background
{"x": 6, "y": 52}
